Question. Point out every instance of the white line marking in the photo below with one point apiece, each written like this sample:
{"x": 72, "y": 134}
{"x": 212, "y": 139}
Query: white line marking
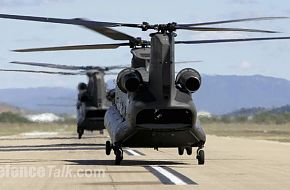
{"x": 170, "y": 176}
{"x": 133, "y": 152}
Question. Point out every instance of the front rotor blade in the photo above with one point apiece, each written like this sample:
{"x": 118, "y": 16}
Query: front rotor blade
{"x": 234, "y": 20}
{"x": 230, "y": 40}
{"x": 212, "y": 29}
{"x": 78, "y": 47}
{"x": 43, "y": 72}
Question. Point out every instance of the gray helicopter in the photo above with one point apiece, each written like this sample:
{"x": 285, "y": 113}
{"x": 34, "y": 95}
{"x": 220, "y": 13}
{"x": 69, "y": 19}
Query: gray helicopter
{"x": 152, "y": 108}
{"x": 92, "y": 101}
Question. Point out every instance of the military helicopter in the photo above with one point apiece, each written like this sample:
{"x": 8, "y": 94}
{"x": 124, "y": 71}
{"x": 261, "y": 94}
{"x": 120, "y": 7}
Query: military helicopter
{"x": 92, "y": 101}
{"x": 152, "y": 108}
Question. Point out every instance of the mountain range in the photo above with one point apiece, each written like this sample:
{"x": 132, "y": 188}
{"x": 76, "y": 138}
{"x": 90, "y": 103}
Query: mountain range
{"x": 218, "y": 94}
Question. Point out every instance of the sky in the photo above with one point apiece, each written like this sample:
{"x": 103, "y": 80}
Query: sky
{"x": 247, "y": 58}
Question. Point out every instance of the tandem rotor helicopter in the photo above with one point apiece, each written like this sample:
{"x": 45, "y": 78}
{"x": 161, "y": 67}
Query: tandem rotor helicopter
{"x": 92, "y": 101}
{"x": 152, "y": 108}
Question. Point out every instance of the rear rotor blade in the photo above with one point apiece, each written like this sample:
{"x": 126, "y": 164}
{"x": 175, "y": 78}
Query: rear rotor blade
{"x": 233, "y": 21}
{"x": 110, "y": 33}
{"x": 212, "y": 29}
{"x": 100, "y": 27}
{"x": 77, "y": 47}
{"x": 230, "y": 40}
{"x": 43, "y": 72}
{"x": 76, "y": 21}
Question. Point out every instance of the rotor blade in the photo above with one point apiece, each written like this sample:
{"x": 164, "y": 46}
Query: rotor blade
{"x": 230, "y": 40}
{"x": 71, "y": 67}
{"x": 234, "y": 20}
{"x": 43, "y": 72}
{"x": 117, "y": 67}
{"x": 183, "y": 62}
{"x": 78, "y": 47}
{"x": 100, "y": 27}
{"x": 55, "y": 66}
{"x": 212, "y": 29}
{"x": 76, "y": 21}
{"x": 110, "y": 33}
{"x": 112, "y": 73}
{"x": 56, "y": 105}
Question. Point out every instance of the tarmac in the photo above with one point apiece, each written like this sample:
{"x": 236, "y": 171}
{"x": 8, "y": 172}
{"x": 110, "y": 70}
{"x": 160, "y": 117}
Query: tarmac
{"x": 61, "y": 161}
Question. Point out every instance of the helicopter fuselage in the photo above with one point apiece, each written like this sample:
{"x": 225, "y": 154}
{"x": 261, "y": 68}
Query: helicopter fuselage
{"x": 92, "y": 103}
{"x": 158, "y": 113}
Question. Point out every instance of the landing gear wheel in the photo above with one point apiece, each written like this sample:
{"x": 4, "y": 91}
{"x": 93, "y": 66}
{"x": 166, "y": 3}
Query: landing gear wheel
{"x": 200, "y": 157}
{"x": 108, "y": 147}
{"x": 80, "y": 133}
{"x": 119, "y": 156}
{"x": 189, "y": 150}
{"x": 180, "y": 150}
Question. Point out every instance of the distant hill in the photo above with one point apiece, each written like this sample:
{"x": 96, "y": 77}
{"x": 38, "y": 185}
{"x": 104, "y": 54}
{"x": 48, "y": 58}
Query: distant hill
{"x": 44, "y": 99}
{"x": 225, "y": 94}
{"x": 217, "y": 95}
{"x": 255, "y": 111}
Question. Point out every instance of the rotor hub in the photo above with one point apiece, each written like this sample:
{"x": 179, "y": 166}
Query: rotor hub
{"x": 163, "y": 28}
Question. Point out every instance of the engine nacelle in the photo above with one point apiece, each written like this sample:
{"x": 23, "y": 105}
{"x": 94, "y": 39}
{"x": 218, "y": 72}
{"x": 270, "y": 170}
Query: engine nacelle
{"x": 129, "y": 80}
{"x": 82, "y": 86}
{"x": 189, "y": 80}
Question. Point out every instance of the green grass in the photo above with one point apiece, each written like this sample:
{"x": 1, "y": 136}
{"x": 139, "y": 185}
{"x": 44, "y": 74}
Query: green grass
{"x": 7, "y": 129}
{"x": 273, "y": 132}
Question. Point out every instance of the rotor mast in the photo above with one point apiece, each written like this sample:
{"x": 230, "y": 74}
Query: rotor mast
{"x": 97, "y": 89}
{"x": 162, "y": 67}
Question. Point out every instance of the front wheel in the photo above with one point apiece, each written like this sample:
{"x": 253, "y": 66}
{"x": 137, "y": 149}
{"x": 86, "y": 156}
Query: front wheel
{"x": 200, "y": 157}
{"x": 108, "y": 147}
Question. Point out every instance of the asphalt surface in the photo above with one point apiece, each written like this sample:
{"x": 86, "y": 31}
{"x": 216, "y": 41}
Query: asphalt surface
{"x": 61, "y": 161}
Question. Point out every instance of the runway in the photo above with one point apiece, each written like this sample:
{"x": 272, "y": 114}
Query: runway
{"x": 61, "y": 161}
